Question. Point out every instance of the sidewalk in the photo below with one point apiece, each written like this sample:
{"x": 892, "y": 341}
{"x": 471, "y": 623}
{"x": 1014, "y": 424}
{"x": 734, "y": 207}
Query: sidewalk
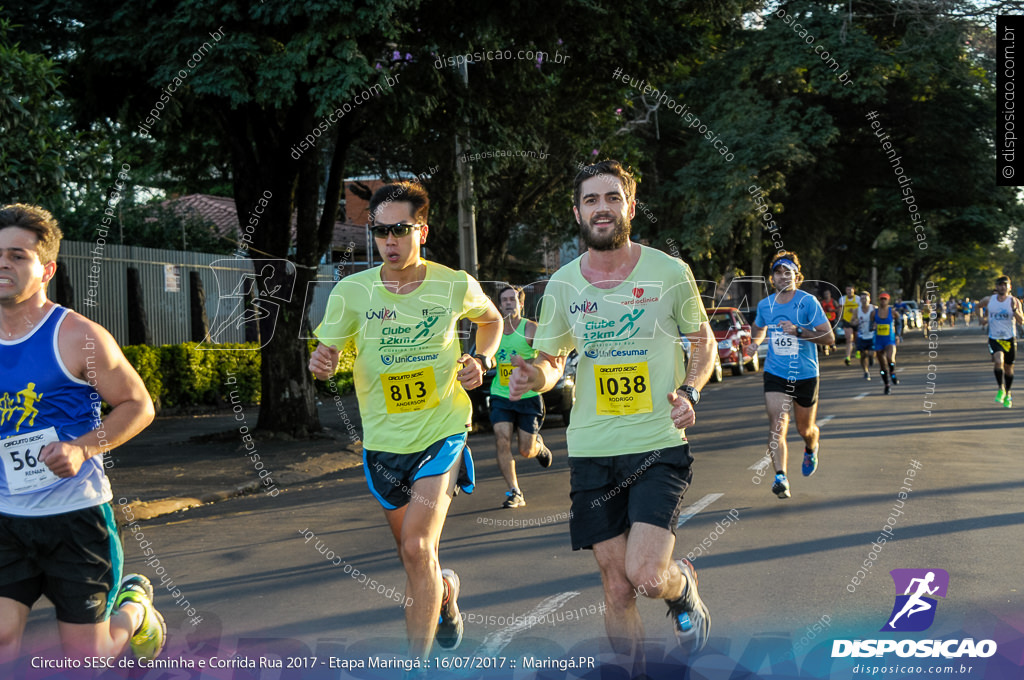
{"x": 180, "y": 462}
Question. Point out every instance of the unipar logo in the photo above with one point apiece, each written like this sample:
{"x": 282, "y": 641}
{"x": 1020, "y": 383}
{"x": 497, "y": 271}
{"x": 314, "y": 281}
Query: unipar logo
{"x": 586, "y": 306}
{"x": 383, "y": 314}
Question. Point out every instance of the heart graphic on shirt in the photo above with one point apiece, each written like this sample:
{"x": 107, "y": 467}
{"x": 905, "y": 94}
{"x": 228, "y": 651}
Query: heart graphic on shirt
{"x": 638, "y": 292}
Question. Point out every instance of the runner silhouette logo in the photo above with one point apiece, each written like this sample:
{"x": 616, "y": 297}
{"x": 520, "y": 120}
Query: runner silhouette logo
{"x": 916, "y": 590}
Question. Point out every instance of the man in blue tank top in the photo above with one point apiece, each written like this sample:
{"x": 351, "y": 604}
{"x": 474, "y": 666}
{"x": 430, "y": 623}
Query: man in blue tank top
{"x": 794, "y": 323}
{"x": 58, "y": 534}
{"x": 885, "y": 324}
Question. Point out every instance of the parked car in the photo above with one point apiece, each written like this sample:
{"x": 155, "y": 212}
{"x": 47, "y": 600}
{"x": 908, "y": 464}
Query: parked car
{"x": 911, "y": 312}
{"x": 716, "y": 373}
{"x": 558, "y": 400}
{"x": 732, "y": 332}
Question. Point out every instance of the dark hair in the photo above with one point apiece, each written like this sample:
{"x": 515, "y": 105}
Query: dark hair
{"x": 402, "y": 192}
{"x": 40, "y": 222}
{"x": 787, "y": 255}
{"x": 606, "y": 167}
{"x": 520, "y": 293}
{"x": 1003, "y": 279}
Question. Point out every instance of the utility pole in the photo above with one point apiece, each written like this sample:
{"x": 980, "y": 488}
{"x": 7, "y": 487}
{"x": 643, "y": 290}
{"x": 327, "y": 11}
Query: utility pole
{"x": 467, "y": 211}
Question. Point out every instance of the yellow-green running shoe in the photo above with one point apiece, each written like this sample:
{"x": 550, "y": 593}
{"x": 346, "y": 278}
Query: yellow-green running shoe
{"x": 148, "y": 640}
{"x": 1000, "y": 395}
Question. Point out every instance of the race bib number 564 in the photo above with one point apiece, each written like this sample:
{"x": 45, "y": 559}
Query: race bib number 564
{"x": 20, "y": 454}
{"x": 622, "y": 389}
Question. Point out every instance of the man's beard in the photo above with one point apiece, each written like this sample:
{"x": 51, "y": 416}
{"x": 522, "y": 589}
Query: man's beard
{"x": 613, "y": 240}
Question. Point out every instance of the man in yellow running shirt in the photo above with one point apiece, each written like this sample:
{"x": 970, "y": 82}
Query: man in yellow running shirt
{"x": 411, "y": 380}
{"x": 622, "y": 307}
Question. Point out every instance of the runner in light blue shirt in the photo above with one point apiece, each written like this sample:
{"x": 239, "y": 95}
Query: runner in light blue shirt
{"x": 794, "y": 323}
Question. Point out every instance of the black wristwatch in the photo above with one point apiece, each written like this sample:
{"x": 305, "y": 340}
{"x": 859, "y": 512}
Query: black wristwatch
{"x": 799, "y": 332}
{"x": 485, "y": 361}
{"x": 690, "y": 393}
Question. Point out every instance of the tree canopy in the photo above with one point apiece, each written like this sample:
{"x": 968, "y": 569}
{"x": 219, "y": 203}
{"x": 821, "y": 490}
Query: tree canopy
{"x": 742, "y": 122}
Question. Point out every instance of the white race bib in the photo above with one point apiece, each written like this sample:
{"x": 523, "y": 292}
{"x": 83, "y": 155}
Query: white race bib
{"x": 20, "y": 454}
{"x": 785, "y": 345}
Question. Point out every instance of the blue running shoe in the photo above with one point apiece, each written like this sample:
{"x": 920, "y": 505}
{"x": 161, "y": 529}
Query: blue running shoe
{"x": 781, "y": 486}
{"x": 690, "y": 617}
{"x": 810, "y": 462}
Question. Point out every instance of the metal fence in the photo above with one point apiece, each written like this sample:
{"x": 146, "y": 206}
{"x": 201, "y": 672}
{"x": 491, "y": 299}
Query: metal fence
{"x": 98, "y": 277}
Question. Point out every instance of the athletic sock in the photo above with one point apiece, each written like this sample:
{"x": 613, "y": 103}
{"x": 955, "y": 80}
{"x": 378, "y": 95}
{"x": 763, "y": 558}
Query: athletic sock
{"x": 999, "y": 376}
{"x": 892, "y": 368}
{"x": 885, "y": 376}
{"x": 1008, "y": 379}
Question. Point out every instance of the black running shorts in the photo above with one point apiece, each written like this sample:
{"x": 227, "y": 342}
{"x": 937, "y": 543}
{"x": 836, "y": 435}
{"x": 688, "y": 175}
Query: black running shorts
{"x": 612, "y": 493}
{"x": 804, "y": 392}
{"x": 525, "y": 414}
{"x": 1007, "y": 347}
{"x": 74, "y": 558}
{"x": 391, "y": 476}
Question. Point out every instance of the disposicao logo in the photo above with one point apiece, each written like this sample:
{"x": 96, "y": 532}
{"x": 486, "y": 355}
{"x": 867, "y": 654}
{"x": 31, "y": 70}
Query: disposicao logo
{"x": 914, "y": 611}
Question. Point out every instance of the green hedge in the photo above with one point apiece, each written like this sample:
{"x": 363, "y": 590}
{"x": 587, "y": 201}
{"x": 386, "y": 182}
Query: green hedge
{"x": 184, "y": 375}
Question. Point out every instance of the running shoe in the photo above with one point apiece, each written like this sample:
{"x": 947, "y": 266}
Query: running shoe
{"x": 847, "y": 361}
{"x": 810, "y": 462}
{"x": 781, "y": 486}
{"x": 895, "y": 380}
{"x": 888, "y": 390}
{"x": 449, "y": 626}
{"x": 148, "y": 639}
{"x": 544, "y": 456}
{"x": 689, "y": 614}
{"x": 1000, "y": 395}
{"x": 514, "y": 499}
{"x": 858, "y": 354}
{"x": 1008, "y": 401}
{"x": 867, "y": 376}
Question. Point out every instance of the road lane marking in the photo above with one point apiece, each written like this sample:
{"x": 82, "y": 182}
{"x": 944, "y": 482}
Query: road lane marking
{"x": 697, "y": 507}
{"x": 763, "y": 463}
{"x": 861, "y": 395}
{"x": 825, "y": 420}
{"x": 498, "y": 640}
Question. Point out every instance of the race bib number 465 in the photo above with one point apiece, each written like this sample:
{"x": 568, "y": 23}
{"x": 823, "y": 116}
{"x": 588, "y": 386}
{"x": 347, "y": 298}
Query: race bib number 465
{"x": 785, "y": 345}
{"x": 20, "y": 454}
{"x": 412, "y": 391}
{"x": 622, "y": 389}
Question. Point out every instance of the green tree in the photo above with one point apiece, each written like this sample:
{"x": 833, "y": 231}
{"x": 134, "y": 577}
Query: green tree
{"x": 31, "y": 154}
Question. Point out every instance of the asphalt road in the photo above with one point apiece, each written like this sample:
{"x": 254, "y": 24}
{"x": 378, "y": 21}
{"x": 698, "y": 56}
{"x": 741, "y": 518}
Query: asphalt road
{"x": 778, "y": 575}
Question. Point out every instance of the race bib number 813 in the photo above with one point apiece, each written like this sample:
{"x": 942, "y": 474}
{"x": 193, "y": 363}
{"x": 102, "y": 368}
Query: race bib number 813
{"x": 411, "y": 391}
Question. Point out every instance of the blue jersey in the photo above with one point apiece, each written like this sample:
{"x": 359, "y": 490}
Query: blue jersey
{"x": 40, "y": 402}
{"x": 790, "y": 357}
{"x": 885, "y": 330}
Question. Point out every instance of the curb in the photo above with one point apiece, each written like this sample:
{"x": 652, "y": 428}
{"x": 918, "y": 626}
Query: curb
{"x": 350, "y": 457}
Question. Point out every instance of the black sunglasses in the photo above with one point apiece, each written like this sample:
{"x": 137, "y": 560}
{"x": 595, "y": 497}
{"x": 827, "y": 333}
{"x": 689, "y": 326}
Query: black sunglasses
{"x": 399, "y": 230}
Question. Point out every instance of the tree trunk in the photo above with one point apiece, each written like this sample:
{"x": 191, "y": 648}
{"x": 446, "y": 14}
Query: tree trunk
{"x": 199, "y": 323}
{"x": 288, "y": 403}
{"x": 138, "y": 323}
